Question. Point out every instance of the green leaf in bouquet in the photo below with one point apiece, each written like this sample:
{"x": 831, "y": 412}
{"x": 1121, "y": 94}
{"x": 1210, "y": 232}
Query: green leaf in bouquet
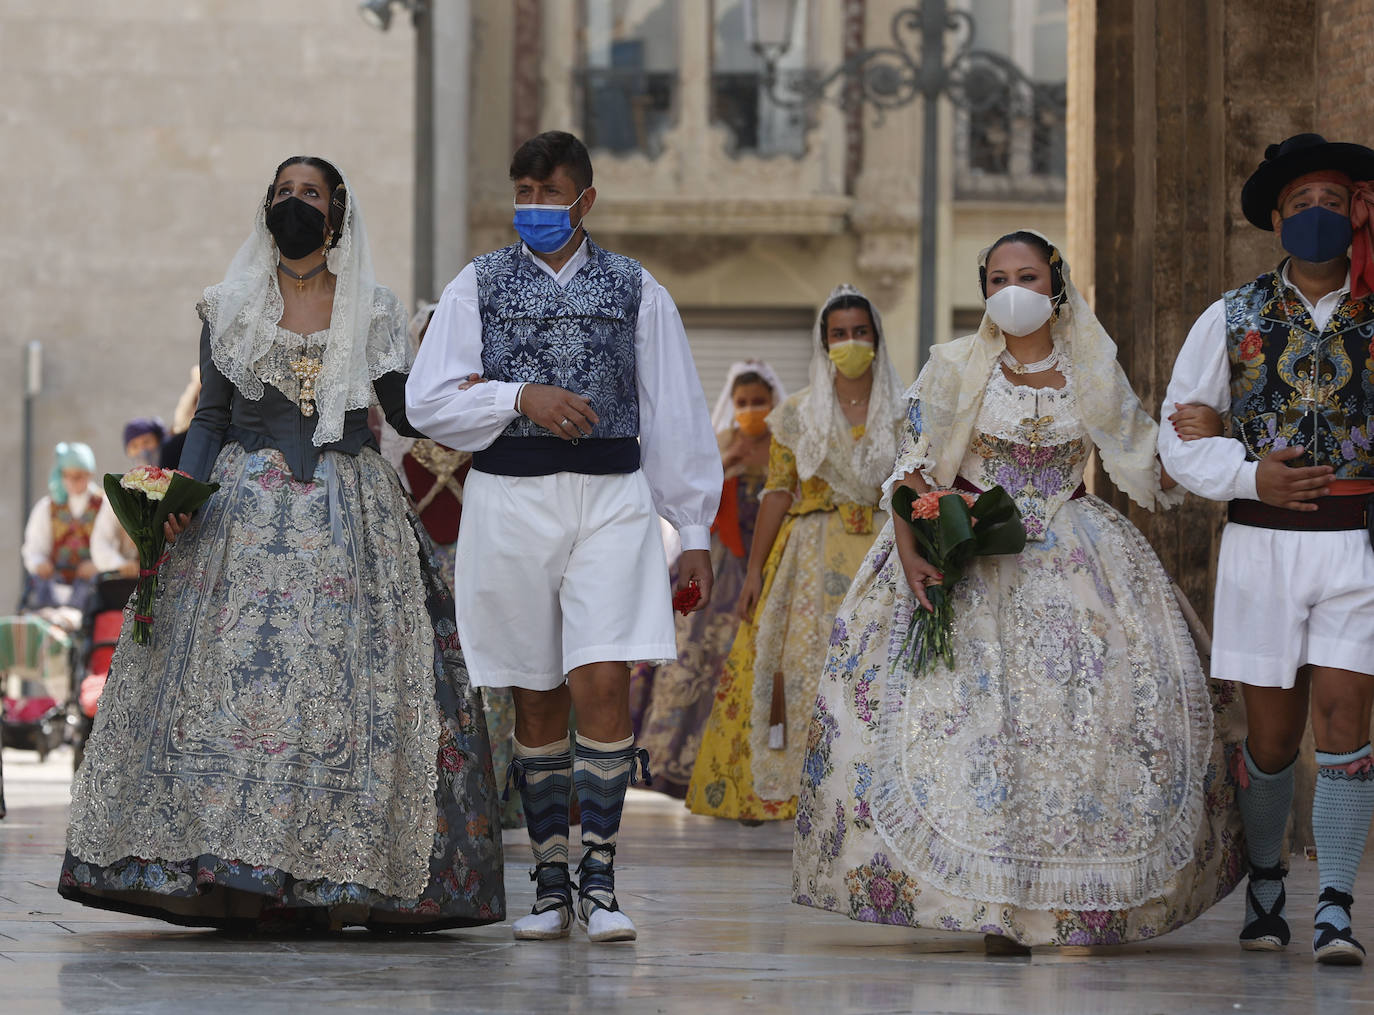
{"x": 130, "y": 507}
{"x": 995, "y": 506}
{"x": 903, "y": 499}
{"x": 184, "y": 495}
{"x": 954, "y": 527}
{"x": 998, "y": 528}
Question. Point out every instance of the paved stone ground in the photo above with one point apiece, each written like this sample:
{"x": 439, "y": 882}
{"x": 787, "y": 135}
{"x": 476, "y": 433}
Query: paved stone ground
{"x": 717, "y": 935}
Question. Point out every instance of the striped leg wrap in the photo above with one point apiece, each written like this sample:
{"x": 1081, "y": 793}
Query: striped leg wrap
{"x": 543, "y": 776}
{"x": 602, "y": 772}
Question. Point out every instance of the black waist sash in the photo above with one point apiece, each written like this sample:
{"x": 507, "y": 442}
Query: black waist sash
{"x": 543, "y": 456}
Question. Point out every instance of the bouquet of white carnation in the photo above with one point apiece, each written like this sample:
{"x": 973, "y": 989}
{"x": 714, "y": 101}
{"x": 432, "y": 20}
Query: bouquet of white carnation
{"x": 142, "y": 499}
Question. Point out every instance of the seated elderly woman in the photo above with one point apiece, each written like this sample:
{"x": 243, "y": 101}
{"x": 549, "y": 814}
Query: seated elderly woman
{"x": 57, "y": 538}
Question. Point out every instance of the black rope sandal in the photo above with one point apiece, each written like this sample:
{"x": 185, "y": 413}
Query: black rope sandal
{"x": 1267, "y": 932}
{"x": 553, "y": 895}
{"x": 1332, "y": 946}
{"x": 604, "y": 922}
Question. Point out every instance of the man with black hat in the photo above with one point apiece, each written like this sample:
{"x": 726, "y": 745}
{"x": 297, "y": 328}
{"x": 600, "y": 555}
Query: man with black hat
{"x": 1291, "y": 357}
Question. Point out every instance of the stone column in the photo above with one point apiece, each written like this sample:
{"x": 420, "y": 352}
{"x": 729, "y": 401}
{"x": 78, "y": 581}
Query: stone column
{"x": 452, "y": 72}
{"x": 1186, "y": 96}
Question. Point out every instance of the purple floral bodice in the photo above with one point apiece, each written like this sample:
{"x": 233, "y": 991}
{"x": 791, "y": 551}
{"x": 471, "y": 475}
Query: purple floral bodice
{"x": 1031, "y": 442}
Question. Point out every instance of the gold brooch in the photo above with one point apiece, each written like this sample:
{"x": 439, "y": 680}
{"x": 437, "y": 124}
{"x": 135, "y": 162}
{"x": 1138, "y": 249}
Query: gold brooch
{"x": 306, "y": 370}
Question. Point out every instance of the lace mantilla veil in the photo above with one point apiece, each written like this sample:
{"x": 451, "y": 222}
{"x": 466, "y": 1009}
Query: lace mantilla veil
{"x": 950, "y": 390}
{"x": 813, "y": 426}
{"x": 723, "y": 415}
{"x": 367, "y": 326}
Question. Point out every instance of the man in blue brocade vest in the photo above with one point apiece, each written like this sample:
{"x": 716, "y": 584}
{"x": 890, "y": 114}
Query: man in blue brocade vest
{"x": 1290, "y": 356}
{"x": 565, "y": 369}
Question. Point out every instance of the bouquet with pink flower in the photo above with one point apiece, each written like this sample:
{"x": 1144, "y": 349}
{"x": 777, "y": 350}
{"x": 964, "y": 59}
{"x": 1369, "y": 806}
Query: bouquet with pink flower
{"x": 951, "y": 528}
{"x": 142, "y": 499}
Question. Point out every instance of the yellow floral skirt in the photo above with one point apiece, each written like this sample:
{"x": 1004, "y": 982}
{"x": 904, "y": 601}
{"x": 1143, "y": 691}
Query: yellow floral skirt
{"x": 813, "y": 561}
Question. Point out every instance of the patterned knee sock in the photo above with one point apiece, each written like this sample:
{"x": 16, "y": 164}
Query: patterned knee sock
{"x": 1265, "y": 799}
{"x": 544, "y": 777}
{"x": 1341, "y": 811}
{"x": 602, "y": 772}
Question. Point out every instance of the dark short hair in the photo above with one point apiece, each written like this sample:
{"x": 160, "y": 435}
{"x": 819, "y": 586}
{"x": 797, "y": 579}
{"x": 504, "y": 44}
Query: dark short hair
{"x": 538, "y": 157}
{"x": 849, "y": 301}
{"x": 1039, "y": 244}
{"x": 338, "y": 193}
{"x": 750, "y": 377}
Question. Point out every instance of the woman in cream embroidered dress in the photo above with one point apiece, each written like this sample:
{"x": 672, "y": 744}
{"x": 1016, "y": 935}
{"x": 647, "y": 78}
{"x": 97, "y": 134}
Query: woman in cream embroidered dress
{"x": 670, "y": 704}
{"x": 298, "y": 746}
{"x": 833, "y": 443}
{"x": 1062, "y": 783}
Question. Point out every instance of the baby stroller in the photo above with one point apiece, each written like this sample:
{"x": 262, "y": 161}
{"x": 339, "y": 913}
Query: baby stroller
{"x": 35, "y": 662}
{"x": 100, "y": 628}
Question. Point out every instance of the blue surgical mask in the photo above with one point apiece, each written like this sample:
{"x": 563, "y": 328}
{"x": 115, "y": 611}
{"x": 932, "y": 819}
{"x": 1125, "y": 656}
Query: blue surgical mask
{"x": 545, "y": 228}
{"x": 1316, "y": 235}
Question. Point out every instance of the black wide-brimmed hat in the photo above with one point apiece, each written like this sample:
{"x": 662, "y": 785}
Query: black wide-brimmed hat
{"x": 1299, "y": 155}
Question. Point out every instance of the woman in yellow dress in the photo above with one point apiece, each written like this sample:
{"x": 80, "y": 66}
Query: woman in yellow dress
{"x": 833, "y": 444}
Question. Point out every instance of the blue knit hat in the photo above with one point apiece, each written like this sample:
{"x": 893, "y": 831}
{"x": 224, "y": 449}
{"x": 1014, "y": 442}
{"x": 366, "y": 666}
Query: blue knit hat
{"x": 68, "y": 455}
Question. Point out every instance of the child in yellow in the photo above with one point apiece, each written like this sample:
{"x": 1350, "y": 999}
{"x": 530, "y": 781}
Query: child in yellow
{"x": 833, "y": 445}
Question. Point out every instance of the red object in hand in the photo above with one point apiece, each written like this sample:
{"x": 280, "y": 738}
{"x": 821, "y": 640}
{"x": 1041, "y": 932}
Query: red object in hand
{"x": 685, "y": 599}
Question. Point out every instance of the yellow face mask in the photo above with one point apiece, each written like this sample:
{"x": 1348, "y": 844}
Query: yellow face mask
{"x": 751, "y": 422}
{"x": 852, "y": 358}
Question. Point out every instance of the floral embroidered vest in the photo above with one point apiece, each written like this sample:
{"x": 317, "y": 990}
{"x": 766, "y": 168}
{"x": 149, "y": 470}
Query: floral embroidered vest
{"x": 580, "y": 336}
{"x": 1291, "y": 384}
{"x": 71, "y": 537}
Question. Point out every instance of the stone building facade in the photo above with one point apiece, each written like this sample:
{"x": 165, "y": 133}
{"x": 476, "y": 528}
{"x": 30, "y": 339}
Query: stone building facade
{"x": 137, "y": 137}
{"x": 747, "y": 212}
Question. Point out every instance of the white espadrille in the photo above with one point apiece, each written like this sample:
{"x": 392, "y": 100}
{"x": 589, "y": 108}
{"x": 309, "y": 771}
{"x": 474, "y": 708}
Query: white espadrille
{"x": 550, "y": 925}
{"x": 609, "y": 925}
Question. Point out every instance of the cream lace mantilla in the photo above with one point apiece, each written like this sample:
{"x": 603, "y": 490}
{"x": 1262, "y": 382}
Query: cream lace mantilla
{"x": 367, "y": 325}
{"x": 813, "y": 426}
{"x": 944, "y": 403}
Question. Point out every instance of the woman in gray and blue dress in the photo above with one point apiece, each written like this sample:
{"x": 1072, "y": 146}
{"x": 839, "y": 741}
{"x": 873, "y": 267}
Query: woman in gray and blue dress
{"x": 298, "y": 744}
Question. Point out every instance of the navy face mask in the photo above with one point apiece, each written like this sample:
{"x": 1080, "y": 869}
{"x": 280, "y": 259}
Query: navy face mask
{"x": 1316, "y": 235}
{"x": 545, "y": 228}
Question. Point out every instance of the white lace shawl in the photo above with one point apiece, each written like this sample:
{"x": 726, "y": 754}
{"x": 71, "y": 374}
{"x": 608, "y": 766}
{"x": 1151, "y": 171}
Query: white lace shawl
{"x": 367, "y": 326}
{"x": 950, "y": 394}
{"x": 812, "y": 425}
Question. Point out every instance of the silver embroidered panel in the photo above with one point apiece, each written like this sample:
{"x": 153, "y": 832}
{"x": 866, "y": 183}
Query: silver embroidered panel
{"x": 284, "y": 712}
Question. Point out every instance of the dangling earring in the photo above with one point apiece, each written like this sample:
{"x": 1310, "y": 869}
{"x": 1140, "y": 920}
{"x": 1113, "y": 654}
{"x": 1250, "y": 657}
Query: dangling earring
{"x": 328, "y": 237}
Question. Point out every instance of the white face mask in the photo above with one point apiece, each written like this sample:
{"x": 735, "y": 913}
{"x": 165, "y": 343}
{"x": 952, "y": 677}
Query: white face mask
{"x": 1019, "y": 311}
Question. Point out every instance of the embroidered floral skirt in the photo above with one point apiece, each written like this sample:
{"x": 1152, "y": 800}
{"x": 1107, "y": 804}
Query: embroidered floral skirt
{"x": 1066, "y": 782}
{"x": 298, "y": 745}
{"x": 671, "y": 703}
{"x": 498, "y": 706}
{"x": 737, "y": 775}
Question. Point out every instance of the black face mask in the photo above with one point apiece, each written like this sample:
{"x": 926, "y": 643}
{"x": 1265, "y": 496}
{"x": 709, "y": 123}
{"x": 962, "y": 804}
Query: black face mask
{"x": 297, "y": 227}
